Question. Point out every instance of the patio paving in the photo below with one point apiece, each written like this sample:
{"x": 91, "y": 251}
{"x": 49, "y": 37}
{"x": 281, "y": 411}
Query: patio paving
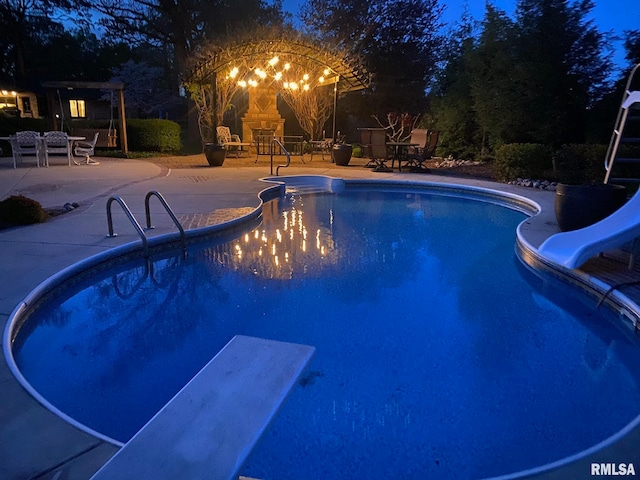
{"x": 36, "y": 444}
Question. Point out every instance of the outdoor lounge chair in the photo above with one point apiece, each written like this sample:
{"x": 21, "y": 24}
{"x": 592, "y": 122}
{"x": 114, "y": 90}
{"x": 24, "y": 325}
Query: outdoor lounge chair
{"x": 86, "y": 149}
{"x": 231, "y": 142}
{"x": 56, "y": 143}
{"x": 26, "y": 143}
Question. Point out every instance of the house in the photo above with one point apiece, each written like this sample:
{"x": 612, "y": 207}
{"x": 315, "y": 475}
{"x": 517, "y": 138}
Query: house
{"x": 18, "y": 102}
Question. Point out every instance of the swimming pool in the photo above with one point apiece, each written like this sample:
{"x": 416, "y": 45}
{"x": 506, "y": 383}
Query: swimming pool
{"x": 438, "y": 354}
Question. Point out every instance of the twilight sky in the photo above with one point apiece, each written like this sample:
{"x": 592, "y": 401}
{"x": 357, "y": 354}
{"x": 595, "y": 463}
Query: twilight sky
{"x": 615, "y": 15}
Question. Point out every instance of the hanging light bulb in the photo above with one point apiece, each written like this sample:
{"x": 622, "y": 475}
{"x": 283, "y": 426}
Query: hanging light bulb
{"x": 273, "y": 61}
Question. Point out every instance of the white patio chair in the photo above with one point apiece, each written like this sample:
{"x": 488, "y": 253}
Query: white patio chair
{"x": 231, "y": 142}
{"x": 56, "y": 143}
{"x": 26, "y": 143}
{"x": 86, "y": 149}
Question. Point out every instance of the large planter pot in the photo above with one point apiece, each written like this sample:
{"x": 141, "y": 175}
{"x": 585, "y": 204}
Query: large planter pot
{"x": 341, "y": 154}
{"x": 578, "y": 206}
{"x": 215, "y": 153}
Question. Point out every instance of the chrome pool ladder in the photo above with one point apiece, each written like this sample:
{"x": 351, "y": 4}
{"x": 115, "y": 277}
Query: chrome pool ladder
{"x": 134, "y": 222}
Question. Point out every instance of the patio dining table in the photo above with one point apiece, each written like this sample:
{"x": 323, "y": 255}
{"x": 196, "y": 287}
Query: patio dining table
{"x": 400, "y": 151}
{"x": 40, "y": 147}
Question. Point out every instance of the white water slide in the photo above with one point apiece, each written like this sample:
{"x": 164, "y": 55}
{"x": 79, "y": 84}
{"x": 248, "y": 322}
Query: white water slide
{"x": 572, "y": 249}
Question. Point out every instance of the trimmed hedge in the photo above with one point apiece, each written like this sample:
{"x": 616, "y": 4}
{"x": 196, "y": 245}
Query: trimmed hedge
{"x": 153, "y": 135}
{"x": 524, "y": 160}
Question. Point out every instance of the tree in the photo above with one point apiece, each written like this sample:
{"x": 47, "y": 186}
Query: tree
{"x": 182, "y": 25}
{"x": 452, "y": 110}
{"x": 493, "y": 90}
{"x": 311, "y": 102}
{"x": 561, "y": 71}
{"x": 146, "y": 90}
{"x": 632, "y": 46}
{"x": 399, "y": 42}
{"x": 25, "y": 24}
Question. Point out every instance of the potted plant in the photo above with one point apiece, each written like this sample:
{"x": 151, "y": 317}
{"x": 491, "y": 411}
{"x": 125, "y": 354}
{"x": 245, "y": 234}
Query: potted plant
{"x": 215, "y": 154}
{"x": 578, "y": 206}
{"x": 209, "y": 116}
{"x": 582, "y": 199}
{"x": 341, "y": 153}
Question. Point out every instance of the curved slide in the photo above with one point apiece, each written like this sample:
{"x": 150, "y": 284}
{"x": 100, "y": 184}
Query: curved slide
{"x": 572, "y": 249}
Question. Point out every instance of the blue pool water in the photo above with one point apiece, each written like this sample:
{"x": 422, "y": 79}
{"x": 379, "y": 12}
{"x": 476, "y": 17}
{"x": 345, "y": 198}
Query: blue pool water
{"x": 438, "y": 354}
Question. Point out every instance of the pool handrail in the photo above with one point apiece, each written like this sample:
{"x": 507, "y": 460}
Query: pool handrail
{"x": 132, "y": 219}
{"x": 163, "y": 202}
{"x": 286, "y": 152}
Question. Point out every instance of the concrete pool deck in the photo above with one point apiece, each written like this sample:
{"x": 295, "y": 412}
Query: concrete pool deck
{"x": 35, "y": 443}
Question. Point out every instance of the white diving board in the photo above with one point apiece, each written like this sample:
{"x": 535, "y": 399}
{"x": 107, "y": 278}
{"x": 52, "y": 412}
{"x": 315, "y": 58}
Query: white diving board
{"x": 572, "y": 249}
{"x": 211, "y": 426}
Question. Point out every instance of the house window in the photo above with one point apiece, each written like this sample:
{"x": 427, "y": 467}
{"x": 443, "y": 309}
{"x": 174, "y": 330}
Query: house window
{"x": 8, "y": 99}
{"x": 77, "y": 108}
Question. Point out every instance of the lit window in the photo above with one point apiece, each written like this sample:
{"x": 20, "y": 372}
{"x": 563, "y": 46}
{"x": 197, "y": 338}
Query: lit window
{"x": 77, "y": 108}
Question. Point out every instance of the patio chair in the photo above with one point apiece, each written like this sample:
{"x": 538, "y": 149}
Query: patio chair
{"x": 26, "y": 143}
{"x": 415, "y": 146}
{"x": 374, "y": 146}
{"x": 56, "y": 143}
{"x": 417, "y": 157}
{"x": 86, "y": 149}
{"x": 231, "y": 142}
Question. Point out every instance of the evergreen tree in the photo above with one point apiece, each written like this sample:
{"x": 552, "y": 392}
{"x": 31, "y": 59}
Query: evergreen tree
{"x": 493, "y": 86}
{"x": 561, "y": 70}
{"x": 451, "y": 99}
{"x": 632, "y": 46}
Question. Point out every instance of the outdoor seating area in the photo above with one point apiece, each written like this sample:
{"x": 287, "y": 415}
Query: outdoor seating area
{"x": 40, "y": 147}
{"x": 377, "y": 146}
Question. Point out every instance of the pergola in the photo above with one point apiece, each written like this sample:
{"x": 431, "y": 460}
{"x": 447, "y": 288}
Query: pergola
{"x": 119, "y": 87}
{"x": 217, "y": 64}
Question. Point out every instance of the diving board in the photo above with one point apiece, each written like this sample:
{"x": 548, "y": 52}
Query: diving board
{"x": 572, "y": 249}
{"x": 211, "y": 426}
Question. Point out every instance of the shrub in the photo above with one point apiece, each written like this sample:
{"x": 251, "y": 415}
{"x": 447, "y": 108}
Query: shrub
{"x": 357, "y": 150}
{"x": 20, "y": 210}
{"x": 153, "y": 135}
{"x": 579, "y": 163}
{"x": 526, "y": 160}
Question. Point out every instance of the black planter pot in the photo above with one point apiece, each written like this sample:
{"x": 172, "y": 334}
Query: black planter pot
{"x": 578, "y": 206}
{"x": 215, "y": 153}
{"x": 342, "y": 154}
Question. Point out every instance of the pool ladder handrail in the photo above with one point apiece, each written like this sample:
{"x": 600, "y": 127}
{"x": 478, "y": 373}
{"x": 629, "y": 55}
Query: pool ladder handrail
{"x": 134, "y": 222}
{"x": 132, "y": 219}
{"x": 163, "y": 202}
{"x": 282, "y": 149}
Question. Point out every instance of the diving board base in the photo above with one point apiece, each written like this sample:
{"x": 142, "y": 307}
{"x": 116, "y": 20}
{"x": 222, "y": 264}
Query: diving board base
{"x": 209, "y": 428}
